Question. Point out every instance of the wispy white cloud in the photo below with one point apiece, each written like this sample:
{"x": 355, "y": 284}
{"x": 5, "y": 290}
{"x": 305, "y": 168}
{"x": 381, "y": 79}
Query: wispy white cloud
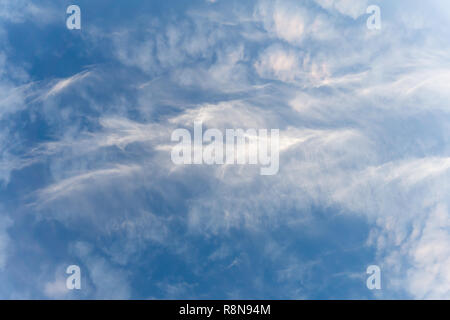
{"x": 64, "y": 83}
{"x": 349, "y": 8}
{"x": 19, "y": 11}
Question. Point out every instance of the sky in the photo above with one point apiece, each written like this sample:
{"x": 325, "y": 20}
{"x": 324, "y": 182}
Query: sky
{"x": 86, "y": 176}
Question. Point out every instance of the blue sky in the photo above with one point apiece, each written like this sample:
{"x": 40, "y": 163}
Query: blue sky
{"x": 86, "y": 176}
